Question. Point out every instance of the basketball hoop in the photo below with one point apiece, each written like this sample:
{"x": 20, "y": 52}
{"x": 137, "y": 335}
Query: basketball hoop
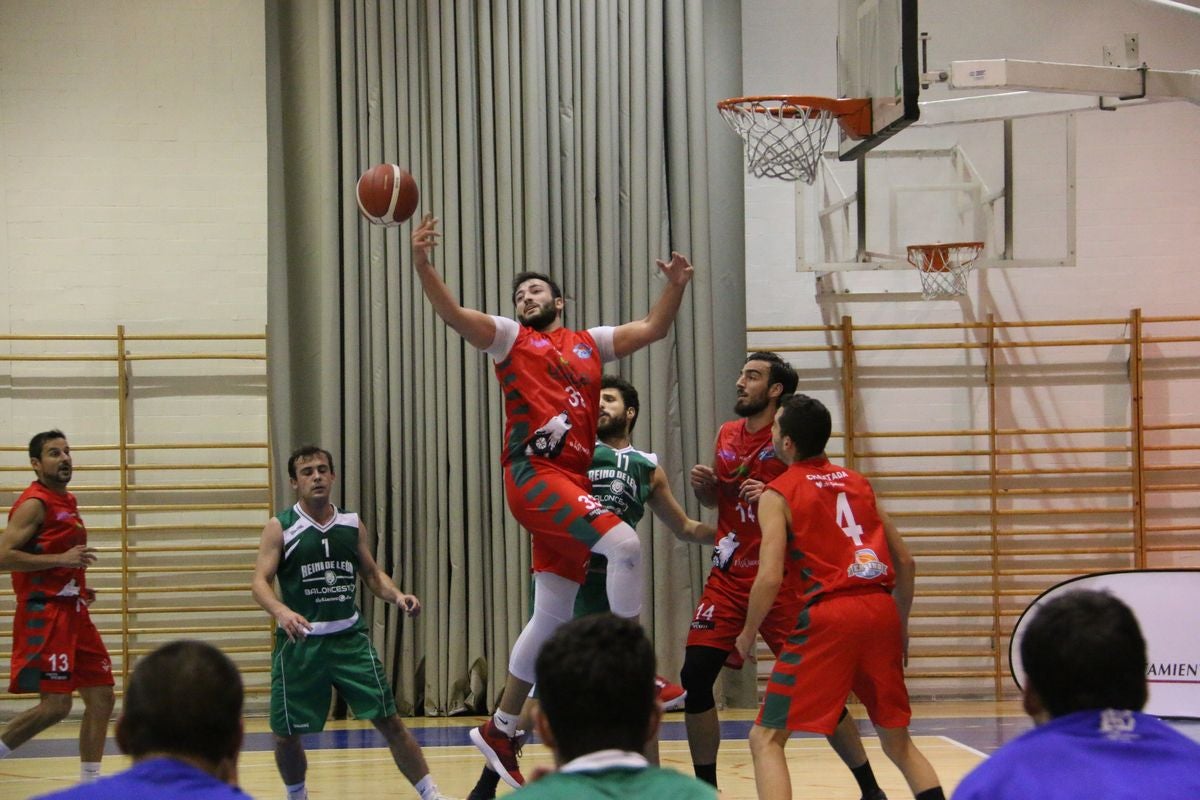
{"x": 944, "y": 267}
{"x": 785, "y": 135}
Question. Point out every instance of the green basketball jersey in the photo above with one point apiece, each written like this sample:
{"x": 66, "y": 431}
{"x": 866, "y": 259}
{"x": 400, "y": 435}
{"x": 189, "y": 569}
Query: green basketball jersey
{"x": 318, "y": 571}
{"x": 622, "y": 480}
{"x": 617, "y": 784}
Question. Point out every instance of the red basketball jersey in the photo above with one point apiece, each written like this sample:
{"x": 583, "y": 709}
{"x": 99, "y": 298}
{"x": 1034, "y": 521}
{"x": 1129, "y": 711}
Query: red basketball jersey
{"x": 837, "y": 539}
{"x": 740, "y": 456}
{"x": 61, "y": 530}
{"x": 551, "y": 384}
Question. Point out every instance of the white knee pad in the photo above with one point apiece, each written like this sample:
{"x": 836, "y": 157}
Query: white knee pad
{"x": 553, "y": 604}
{"x": 624, "y": 583}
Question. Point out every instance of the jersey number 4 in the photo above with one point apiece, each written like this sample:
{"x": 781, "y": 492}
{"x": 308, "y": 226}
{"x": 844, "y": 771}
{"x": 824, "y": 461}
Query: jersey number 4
{"x": 845, "y": 520}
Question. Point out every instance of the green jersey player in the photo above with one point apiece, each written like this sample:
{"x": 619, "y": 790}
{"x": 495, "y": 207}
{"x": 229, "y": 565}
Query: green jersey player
{"x": 317, "y": 552}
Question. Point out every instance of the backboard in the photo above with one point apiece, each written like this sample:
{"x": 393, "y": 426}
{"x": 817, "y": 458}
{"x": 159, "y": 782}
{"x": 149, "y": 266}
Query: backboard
{"x": 877, "y": 58}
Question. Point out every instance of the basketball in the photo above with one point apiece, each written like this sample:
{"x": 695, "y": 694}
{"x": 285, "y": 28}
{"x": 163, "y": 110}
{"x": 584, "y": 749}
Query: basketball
{"x": 387, "y": 194}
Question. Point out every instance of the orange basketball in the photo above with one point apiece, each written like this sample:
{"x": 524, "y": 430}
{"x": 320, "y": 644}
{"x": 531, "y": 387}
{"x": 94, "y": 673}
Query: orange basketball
{"x": 387, "y": 194}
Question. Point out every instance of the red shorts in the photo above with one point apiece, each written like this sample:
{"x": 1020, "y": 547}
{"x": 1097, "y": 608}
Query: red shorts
{"x": 558, "y": 510}
{"x": 721, "y": 615}
{"x": 56, "y": 648}
{"x": 844, "y": 643}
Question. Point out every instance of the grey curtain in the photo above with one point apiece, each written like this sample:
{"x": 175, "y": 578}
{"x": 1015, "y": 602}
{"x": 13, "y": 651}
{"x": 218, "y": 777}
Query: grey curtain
{"x": 574, "y": 138}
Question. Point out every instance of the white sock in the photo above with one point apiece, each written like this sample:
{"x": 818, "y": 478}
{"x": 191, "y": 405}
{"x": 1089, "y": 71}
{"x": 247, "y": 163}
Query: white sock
{"x": 427, "y": 788}
{"x": 505, "y": 723}
{"x": 89, "y": 771}
{"x": 4, "y": 749}
{"x": 296, "y": 791}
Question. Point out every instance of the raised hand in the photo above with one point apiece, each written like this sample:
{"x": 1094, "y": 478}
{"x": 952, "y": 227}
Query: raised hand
{"x": 424, "y": 238}
{"x": 678, "y": 270}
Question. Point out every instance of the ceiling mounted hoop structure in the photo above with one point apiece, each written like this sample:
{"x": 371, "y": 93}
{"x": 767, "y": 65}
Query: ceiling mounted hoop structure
{"x": 785, "y": 134}
{"x": 944, "y": 267}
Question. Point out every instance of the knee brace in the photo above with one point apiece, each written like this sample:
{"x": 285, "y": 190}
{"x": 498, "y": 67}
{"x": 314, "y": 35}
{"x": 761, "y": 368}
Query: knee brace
{"x": 623, "y": 550}
{"x": 553, "y": 604}
{"x": 701, "y": 666}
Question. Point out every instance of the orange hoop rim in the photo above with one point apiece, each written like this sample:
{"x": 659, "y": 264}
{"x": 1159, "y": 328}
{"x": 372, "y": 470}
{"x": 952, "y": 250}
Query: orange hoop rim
{"x": 853, "y": 114}
{"x": 937, "y": 255}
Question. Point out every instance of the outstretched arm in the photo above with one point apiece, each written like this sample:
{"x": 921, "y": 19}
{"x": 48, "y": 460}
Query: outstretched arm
{"x": 635, "y": 335}
{"x": 664, "y": 505}
{"x": 477, "y": 328}
{"x": 378, "y": 581}
{"x": 25, "y": 523}
{"x": 270, "y": 550}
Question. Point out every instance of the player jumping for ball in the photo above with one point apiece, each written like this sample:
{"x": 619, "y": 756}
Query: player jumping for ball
{"x": 551, "y": 379}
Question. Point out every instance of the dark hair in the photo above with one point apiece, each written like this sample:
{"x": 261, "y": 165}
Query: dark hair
{"x": 805, "y": 420}
{"x": 628, "y": 394}
{"x": 781, "y": 371}
{"x": 183, "y": 698}
{"x": 308, "y": 451}
{"x": 39, "y": 441}
{"x": 1084, "y": 650}
{"x": 595, "y": 681}
{"x": 529, "y": 276}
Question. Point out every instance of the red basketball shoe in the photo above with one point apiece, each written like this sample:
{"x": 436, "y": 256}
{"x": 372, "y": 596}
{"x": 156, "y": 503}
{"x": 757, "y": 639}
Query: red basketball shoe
{"x": 671, "y": 695}
{"x": 500, "y": 751}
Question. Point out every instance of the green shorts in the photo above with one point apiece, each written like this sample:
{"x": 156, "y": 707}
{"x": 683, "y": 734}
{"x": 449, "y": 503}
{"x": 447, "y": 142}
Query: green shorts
{"x": 304, "y": 673}
{"x": 593, "y": 593}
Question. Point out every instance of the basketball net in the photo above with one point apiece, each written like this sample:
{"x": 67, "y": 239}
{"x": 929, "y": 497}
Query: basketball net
{"x": 785, "y": 135}
{"x": 944, "y": 267}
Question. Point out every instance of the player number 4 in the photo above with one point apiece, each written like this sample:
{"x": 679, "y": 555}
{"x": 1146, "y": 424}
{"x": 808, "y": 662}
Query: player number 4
{"x": 845, "y": 520}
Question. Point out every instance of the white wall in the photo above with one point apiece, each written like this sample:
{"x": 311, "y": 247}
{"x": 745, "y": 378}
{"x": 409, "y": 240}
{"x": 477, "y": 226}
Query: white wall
{"x": 132, "y": 191}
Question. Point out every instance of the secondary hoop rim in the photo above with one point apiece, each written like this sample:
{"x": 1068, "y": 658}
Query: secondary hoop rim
{"x": 853, "y": 114}
{"x": 937, "y": 255}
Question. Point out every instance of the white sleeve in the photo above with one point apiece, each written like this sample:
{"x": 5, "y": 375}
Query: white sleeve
{"x": 506, "y": 333}
{"x": 603, "y": 335}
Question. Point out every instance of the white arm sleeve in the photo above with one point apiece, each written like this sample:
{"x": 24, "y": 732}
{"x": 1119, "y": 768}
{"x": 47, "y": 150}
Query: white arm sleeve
{"x": 506, "y": 333}
{"x": 604, "y": 342}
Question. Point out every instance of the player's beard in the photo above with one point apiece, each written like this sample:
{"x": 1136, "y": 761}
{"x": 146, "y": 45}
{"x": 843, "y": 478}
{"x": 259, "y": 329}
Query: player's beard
{"x": 749, "y": 406}
{"x": 610, "y": 427}
{"x": 541, "y": 319}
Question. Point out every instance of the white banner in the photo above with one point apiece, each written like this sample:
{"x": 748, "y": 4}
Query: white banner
{"x": 1167, "y": 606}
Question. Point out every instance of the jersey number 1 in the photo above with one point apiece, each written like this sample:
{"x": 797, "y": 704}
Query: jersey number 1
{"x": 845, "y": 520}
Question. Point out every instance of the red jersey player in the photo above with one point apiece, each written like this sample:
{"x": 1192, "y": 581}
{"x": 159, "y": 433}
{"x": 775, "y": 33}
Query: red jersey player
{"x": 825, "y": 540}
{"x": 744, "y": 462}
{"x": 56, "y": 648}
{"x": 551, "y": 380}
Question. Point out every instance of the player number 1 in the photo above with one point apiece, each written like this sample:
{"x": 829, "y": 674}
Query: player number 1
{"x": 326, "y": 543}
{"x": 845, "y": 520}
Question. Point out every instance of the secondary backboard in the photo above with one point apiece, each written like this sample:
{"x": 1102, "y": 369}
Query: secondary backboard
{"x": 877, "y": 58}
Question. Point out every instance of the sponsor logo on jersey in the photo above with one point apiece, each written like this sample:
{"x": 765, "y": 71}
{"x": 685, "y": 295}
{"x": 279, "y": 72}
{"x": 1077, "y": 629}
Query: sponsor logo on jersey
{"x": 829, "y": 476}
{"x": 726, "y": 455}
{"x": 765, "y": 453}
{"x": 703, "y": 625}
{"x": 540, "y": 342}
{"x": 866, "y": 565}
{"x": 582, "y": 351}
{"x": 326, "y": 568}
{"x": 1118, "y": 724}
{"x": 64, "y": 515}
{"x": 723, "y": 552}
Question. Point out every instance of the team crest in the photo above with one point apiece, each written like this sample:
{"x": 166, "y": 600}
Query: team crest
{"x": 330, "y": 577}
{"x": 582, "y": 350}
{"x": 866, "y": 565}
{"x": 618, "y": 486}
{"x": 765, "y": 453}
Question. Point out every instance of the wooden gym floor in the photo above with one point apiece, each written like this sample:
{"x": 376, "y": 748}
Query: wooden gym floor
{"x": 350, "y": 760}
